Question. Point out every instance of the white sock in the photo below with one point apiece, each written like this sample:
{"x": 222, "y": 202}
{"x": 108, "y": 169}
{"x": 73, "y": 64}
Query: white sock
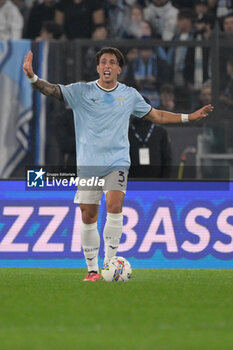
{"x": 90, "y": 243}
{"x": 112, "y": 234}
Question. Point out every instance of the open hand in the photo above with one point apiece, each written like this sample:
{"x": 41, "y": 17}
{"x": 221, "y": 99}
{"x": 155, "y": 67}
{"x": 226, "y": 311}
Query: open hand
{"x": 201, "y": 113}
{"x": 27, "y": 65}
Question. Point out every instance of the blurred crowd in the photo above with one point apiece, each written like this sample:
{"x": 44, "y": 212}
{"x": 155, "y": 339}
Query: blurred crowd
{"x": 154, "y": 71}
{"x": 122, "y": 19}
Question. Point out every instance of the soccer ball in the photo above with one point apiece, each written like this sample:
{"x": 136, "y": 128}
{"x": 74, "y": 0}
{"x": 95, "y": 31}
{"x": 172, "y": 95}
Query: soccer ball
{"x": 118, "y": 269}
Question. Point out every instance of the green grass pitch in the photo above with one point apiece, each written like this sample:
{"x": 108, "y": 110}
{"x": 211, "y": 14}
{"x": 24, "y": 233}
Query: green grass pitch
{"x": 46, "y": 309}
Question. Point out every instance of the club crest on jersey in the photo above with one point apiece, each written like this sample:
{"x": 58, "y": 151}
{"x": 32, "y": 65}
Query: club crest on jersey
{"x": 121, "y": 100}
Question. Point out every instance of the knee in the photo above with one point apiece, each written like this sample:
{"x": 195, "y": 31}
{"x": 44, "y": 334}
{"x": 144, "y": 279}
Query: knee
{"x": 115, "y": 207}
{"x": 88, "y": 217}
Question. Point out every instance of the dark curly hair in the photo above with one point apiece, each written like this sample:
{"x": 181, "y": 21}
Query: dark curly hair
{"x": 112, "y": 50}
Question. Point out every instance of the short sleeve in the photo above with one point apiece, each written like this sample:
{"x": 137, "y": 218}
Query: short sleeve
{"x": 141, "y": 108}
{"x": 71, "y": 93}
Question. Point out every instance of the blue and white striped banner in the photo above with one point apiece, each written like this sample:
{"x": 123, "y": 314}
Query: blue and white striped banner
{"x": 15, "y": 105}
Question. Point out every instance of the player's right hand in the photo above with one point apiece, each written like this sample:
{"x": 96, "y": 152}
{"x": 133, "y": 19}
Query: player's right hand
{"x": 27, "y": 65}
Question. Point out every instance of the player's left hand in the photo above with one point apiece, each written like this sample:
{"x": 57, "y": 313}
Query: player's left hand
{"x": 201, "y": 113}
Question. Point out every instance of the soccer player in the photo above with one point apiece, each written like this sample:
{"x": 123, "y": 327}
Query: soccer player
{"x": 101, "y": 111}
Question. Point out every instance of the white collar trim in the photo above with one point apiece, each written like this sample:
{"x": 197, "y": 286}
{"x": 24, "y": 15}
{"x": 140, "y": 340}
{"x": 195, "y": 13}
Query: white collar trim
{"x": 106, "y": 89}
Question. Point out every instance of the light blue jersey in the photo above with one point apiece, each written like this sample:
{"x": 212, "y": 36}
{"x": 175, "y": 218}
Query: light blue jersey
{"x": 101, "y": 119}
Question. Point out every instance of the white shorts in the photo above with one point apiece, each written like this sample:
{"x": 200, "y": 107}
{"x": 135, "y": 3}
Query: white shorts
{"x": 114, "y": 181}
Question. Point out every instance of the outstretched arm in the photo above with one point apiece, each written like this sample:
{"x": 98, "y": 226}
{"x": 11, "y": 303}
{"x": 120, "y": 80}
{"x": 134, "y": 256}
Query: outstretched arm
{"x": 164, "y": 117}
{"x": 43, "y": 86}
